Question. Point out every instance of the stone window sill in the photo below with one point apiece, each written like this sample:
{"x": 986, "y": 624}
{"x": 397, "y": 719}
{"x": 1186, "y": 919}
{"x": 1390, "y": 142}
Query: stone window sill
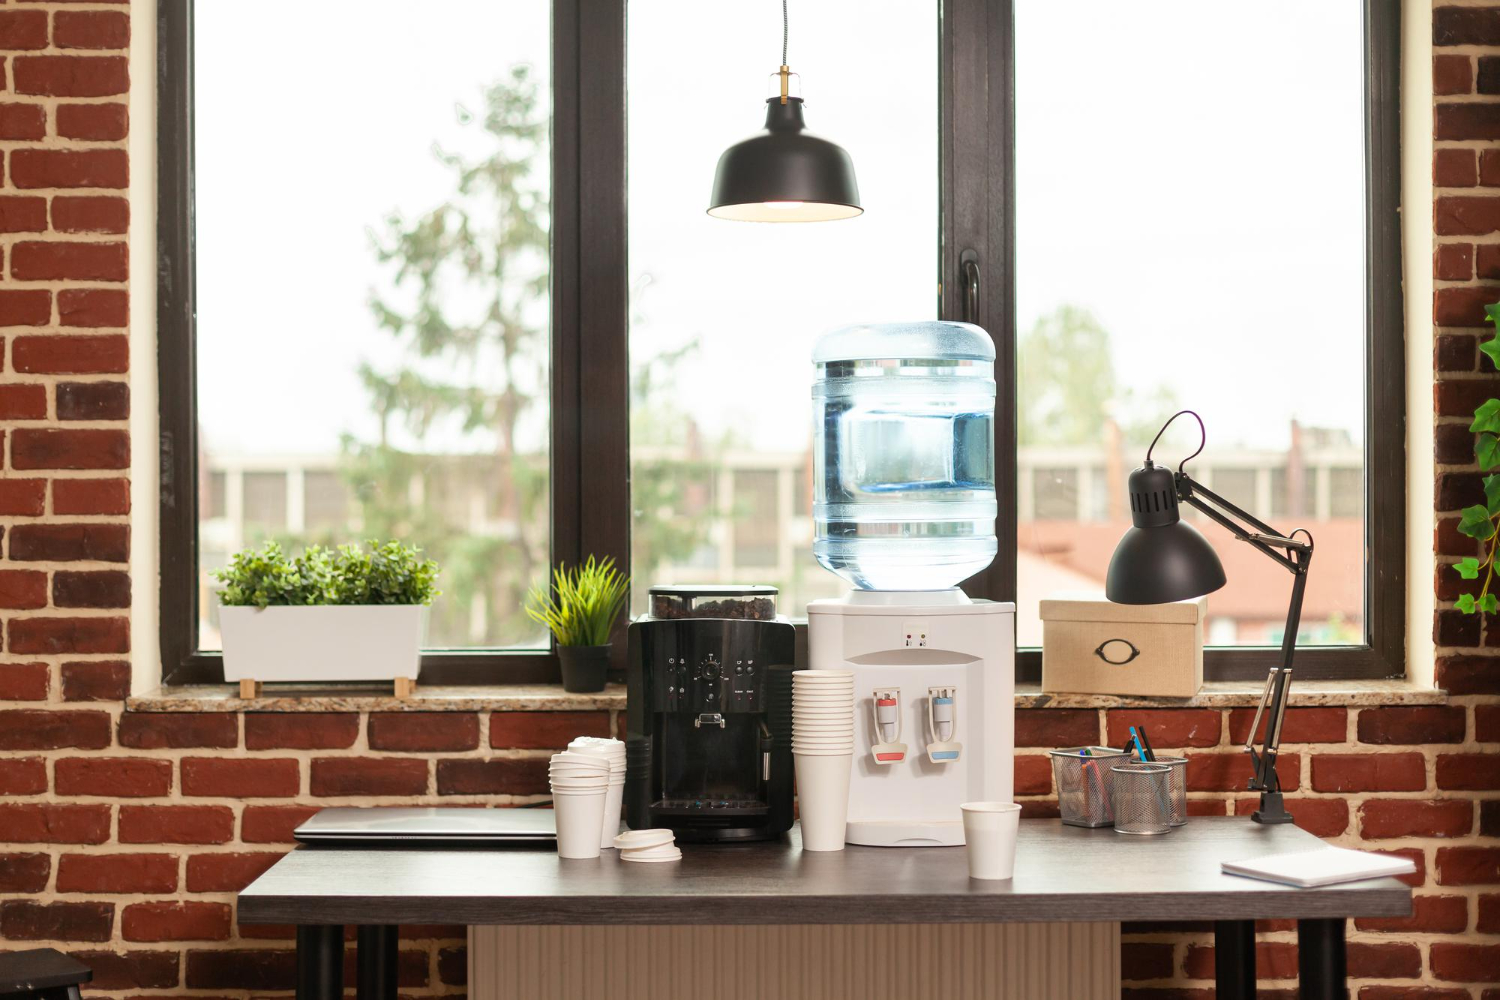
{"x": 552, "y": 698}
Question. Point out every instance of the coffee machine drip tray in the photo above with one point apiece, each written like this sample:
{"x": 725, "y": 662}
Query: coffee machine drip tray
{"x": 708, "y": 808}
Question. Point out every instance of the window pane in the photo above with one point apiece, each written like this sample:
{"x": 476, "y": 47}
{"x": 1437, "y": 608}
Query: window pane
{"x": 372, "y": 292}
{"x": 724, "y": 314}
{"x": 1202, "y": 247}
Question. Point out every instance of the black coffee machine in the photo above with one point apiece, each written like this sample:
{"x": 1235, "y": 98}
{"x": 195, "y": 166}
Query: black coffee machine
{"x": 709, "y": 715}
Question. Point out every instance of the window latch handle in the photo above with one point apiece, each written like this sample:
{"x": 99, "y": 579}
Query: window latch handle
{"x": 968, "y": 271}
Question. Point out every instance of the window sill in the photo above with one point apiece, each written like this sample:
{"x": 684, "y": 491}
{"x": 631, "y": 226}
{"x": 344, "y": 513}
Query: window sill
{"x": 552, "y": 698}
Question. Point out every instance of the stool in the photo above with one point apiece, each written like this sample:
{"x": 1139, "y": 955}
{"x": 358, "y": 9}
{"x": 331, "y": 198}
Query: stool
{"x": 41, "y": 974}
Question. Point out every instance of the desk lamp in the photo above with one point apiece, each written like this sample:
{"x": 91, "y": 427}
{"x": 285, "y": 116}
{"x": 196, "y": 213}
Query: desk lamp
{"x": 1162, "y": 559}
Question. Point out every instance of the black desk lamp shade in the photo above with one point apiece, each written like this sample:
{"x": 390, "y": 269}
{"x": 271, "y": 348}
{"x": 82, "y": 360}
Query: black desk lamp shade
{"x": 785, "y": 174}
{"x": 1161, "y": 558}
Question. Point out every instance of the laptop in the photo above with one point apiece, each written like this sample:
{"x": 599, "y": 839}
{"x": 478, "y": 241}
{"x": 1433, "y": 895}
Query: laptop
{"x": 379, "y": 824}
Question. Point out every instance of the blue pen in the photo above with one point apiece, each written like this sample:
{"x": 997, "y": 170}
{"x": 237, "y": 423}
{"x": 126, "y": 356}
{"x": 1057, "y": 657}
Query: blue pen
{"x": 1140, "y": 748}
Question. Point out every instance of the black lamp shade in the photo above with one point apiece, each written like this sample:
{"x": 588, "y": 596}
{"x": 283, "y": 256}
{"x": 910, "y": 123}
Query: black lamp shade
{"x": 1160, "y": 559}
{"x": 784, "y": 174}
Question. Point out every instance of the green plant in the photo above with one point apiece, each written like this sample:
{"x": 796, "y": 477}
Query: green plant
{"x": 583, "y": 604}
{"x": 384, "y": 573}
{"x": 1479, "y": 521}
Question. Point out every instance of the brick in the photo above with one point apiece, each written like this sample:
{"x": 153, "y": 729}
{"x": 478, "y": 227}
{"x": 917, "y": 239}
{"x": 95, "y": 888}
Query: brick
{"x": 1418, "y": 878}
{"x": 241, "y": 968}
{"x": 1165, "y": 728}
{"x": 24, "y": 681}
{"x": 50, "y": 823}
{"x": 90, "y": 496}
{"x": 1040, "y": 809}
{"x": 1320, "y": 817}
{"x": 1464, "y": 963}
{"x": 178, "y": 730}
{"x": 300, "y": 730}
{"x": 23, "y": 589}
{"x": 23, "y": 401}
{"x": 1473, "y": 215}
{"x": 95, "y": 680}
{"x": 98, "y": 214}
{"x": 23, "y": 497}
{"x": 1057, "y": 727}
{"x": 94, "y": 29}
{"x": 1380, "y": 819}
{"x": 23, "y": 29}
{"x": 69, "y": 635}
{"x": 114, "y": 970}
{"x": 1489, "y": 167}
{"x": 99, "y": 122}
{"x": 70, "y": 543}
{"x": 273, "y": 824}
{"x": 1411, "y": 724}
{"x": 424, "y": 731}
{"x": 1273, "y": 960}
{"x": 1487, "y": 265}
{"x": 1033, "y": 774}
{"x": 22, "y": 776}
{"x": 117, "y": 873}
{"x": 1466, "y": 26}
{"x": 190, "y": 921}
{"x": 93, "y": 400}
{"x": 1374, "y": 772}
{"x": 227, "y": 872}
{"x": 250, "y": 779}
{"x": 58, "y": 260}
{"x": 1455, "y": 168}
{"x": 1460, "y": 397}
{"x": 1467, "y": 674}
{"x": 115, "y": 777}
{"x": 93, "y": 307}
{"x": 72, "y": 355}
{"x": 22, "y": 306}
{"x": 25, "y": 214}
{"x": 1468, "y": 771}
{"x": 1487, "y": 723}
{"x": 1391, "y": 960}
{"x": 60, "y": 168}
{"x": 1454, "y": 262}
{"x": 544, "y": 730}
{"x": 1468, "y": 866}
{"x": 1467, "y": 120}
{"x": 71, "y": 76}
{"x": 23, "y": 122}
{"x": 1452, "y": 75}
{"x": 497, "y": 776}
{"x": 1456, "y": 490}
{"x": 176, "y": 824}
{"x": 1487, "y": 81}
{"x": 453, "y": 966}
{"x": 91, "y": 589}
{"x": 1230, "y": 772}
{"x": 334, "y": 776}
{"x": 28, "y": 920}
{"x": 1430, "y": 915}
{"x": 36, "y": 729}
{"x": 1488, "y": 919}
{"x": 24, "y": 872}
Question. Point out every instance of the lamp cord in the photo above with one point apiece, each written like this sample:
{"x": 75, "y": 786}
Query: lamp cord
{"x": 1202, "y": 437}
{"x": 783, "y": 32}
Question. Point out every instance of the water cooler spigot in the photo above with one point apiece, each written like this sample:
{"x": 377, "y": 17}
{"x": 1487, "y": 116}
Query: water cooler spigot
{"x": 885, "y": 712}
{"x": 942, "y": 725}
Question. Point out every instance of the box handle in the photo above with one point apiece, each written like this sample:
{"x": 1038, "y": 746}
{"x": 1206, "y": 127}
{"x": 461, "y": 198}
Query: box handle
{"x": 1111, "y": 655}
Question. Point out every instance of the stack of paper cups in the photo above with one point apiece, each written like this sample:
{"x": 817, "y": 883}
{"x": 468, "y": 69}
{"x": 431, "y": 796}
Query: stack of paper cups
{"x": 823, "y": 749}
{"x": 612, "y": 751}
{"x": 580, "y": 784}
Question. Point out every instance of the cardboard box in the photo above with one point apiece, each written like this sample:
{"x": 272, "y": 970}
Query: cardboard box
{"x": 1093, "y": 646}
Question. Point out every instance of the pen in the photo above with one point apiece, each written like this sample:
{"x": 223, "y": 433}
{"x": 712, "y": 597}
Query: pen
{"x": 1140, "y": 745}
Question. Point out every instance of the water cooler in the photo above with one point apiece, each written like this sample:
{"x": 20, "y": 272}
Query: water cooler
{"x": 904, "y": 461}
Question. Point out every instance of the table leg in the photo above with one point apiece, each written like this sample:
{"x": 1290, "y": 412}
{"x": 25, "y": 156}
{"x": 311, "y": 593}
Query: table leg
{"x": 320, "y": 962}
{"x": 377, "y": 962}
{"x": 1234, "y": 959}
{"x": 1321, "y": 968}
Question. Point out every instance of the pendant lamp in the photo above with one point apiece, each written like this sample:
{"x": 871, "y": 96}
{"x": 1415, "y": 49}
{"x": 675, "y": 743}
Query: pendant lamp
{"x": 784, "y": 173}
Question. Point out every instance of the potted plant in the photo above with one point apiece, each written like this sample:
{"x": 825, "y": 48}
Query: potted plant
{"x": 579, "y": 611}
{"x": 354, "y": 613}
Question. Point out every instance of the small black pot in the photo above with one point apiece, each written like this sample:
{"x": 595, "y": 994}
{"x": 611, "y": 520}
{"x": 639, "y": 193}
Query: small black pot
{"x": 583, "y": 667}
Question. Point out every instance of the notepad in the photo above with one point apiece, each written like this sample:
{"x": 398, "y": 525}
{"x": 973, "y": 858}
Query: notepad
{"x": 1320, "y": 866}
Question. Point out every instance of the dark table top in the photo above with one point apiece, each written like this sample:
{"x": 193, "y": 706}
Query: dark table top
{"x": 1063, "y": 873}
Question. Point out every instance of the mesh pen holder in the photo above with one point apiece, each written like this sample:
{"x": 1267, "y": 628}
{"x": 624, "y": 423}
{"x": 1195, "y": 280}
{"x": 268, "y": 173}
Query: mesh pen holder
{"x": 1142, "y": 798}
{"x": 1177, "y": 785}
{"x": 1083, "y": 784}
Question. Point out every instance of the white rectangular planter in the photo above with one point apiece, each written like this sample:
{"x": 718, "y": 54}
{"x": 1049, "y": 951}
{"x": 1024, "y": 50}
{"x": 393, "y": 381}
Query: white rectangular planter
{"x": 356, "y": 642}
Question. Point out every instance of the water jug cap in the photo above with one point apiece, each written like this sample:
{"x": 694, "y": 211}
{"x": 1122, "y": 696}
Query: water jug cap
{"x": 929, "y": 339}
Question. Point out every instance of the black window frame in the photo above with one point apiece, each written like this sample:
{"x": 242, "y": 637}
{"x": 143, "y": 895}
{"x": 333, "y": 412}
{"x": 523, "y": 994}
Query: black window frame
{"x": 590, "y": 492}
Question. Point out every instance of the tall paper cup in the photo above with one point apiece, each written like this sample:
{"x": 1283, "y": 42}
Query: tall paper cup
{"x": 579, "y": 819}
{"x": 990, "y": 830}
{"x": 823, "y": 798}
{"x": 614, "y": 797}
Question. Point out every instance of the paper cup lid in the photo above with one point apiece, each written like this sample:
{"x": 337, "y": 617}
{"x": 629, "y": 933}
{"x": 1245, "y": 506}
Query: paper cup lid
{"x": 638, "y": 839}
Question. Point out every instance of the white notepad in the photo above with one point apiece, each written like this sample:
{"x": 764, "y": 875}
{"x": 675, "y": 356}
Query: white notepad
{"x": 1319, "y": 866}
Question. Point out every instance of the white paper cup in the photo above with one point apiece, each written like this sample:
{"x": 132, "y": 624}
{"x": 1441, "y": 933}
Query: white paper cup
{"x": 579, "y": 817}
{"x": 614, "y": 796}
{"x": 823, "y": 798}
{"x": 806, "y": 675}
{"x": 990, "y": 830}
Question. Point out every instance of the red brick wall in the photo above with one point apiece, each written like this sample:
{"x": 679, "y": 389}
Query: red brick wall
{"x": 123, "y": 836}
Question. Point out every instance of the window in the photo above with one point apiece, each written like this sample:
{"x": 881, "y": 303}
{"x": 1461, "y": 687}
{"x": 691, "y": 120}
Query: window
{"x": 340, "y": 360}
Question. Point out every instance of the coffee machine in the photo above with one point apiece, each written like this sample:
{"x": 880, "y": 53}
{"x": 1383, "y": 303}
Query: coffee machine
{"x": 708, "y": 716}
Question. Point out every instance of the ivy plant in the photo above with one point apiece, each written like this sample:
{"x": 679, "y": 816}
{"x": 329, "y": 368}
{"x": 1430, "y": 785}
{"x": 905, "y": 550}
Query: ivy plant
{"x": 1480, "y": 521}
{"x": 379, "y": 573}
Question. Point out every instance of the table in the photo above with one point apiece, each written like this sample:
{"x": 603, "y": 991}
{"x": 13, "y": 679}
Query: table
{"x": 1063, "y": 873}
